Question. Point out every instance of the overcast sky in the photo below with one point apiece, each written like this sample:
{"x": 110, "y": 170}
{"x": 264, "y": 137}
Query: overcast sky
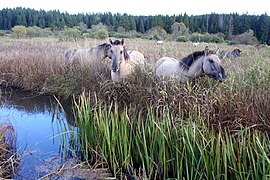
{"x": 145, "y": 7}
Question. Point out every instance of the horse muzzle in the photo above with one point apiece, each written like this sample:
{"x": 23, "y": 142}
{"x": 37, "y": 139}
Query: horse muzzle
{"x": 115, "y": 69}
{"x": 217, "y": 77}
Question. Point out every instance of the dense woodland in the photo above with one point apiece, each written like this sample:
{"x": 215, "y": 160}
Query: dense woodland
{"x": 227, "y": 24}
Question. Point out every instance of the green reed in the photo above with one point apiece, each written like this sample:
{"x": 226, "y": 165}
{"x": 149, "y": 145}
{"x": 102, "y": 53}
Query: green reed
{"x": 158, "y": 145}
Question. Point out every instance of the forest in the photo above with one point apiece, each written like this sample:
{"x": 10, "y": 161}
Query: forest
{"x": 227, "y": 24}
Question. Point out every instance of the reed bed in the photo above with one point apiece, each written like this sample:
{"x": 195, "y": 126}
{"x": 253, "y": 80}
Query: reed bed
{"x": 159, "y": 145}
{"x": 8, "y": 156}
{"x": 144, "y": 128}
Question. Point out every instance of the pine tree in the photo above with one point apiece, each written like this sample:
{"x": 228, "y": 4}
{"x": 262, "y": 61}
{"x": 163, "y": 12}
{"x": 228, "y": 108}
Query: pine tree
{"x": 262, "y": 29}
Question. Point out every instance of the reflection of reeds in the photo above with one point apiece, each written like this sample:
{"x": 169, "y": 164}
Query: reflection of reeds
{"x": 26, "y": 101}
{"x": 8, "y": 156}
{"x": 65, "y": 131}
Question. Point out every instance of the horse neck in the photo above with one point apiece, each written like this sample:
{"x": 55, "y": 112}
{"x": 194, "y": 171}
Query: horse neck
{"x": 100, "y": 51}
{"x": 122, "y": 73}
{"x": 116, "y": 76}
{"x": 125, "y": 69}
{"x": 196, "y": 68}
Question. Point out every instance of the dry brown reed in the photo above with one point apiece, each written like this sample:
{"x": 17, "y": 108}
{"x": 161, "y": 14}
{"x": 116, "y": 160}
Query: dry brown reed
{"x": 38, "y": 65}
{"x": 8, "y": 156}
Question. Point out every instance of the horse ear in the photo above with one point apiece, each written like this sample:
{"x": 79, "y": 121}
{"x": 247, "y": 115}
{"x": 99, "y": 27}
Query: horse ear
{"x": 206, "y": 51}
{"x": 122, "y": 42}
{"x": 108, "y": 46}
{"x": 222, "y": 72}
{"x": 111, "y": 41}
{"x": 217, "y": 51}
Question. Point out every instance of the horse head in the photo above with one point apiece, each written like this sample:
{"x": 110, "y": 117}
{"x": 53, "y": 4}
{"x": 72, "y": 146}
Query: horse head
{"x": 105, "y": 49}
{"x": 118, "y": 54}
{"x": 236, "y": 52}
{"x": 211, "y": 65}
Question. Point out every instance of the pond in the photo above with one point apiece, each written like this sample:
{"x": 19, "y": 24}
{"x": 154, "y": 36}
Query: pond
{"x": 43, "y": 134}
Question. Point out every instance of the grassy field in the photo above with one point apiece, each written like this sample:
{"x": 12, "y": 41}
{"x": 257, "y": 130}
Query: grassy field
{"x": 144, "y": 128}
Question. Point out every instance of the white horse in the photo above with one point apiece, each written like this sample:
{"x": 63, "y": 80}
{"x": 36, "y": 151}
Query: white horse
{"x": 123, "y": 62}
{"x": 194, "y": 65}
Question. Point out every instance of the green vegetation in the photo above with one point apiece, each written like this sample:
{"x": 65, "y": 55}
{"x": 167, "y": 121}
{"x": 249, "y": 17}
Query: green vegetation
{"x": 229, "y": 25}
{"x": 150, "y": 129}
{"x": 8, "y": 158}
{"x": 160, "y": 145}
{"x": 19, "y": 31}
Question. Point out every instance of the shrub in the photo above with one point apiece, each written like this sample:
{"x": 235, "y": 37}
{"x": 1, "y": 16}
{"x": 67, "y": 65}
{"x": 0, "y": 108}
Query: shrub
{"x": 196, "y": 37}
{"x": 32, "y": 32}
{"x": 46, "y": 32}
{"x": 2, "y": 33}
{"x": 182, "y": 39}
{"x": 247, "y": 38}
{"x": 120, "y": 35}
{"x": 157, "y": 32}
{"x": 102, "y": 34}
{"x": 179, "y": 29}
{"x": 69, "y": 34}
{"x": 19, "y": 31}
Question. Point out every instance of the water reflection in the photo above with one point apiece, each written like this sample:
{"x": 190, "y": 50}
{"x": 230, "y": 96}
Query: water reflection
{"x": 41, "y": 128}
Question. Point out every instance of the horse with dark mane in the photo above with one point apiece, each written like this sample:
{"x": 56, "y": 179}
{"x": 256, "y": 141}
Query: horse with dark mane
{"x": 196, "y": 64}
{"x": 78, "y": 55}
{"x": 230, "y": 54}
{"x": 123, "y": 61}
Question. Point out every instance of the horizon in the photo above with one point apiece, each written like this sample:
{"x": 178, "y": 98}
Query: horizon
{"x": 84, "y": 13}
{"x": 143, "y": 7}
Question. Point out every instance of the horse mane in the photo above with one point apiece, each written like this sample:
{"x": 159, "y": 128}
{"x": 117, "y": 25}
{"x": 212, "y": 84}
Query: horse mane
{"x": 105, "y": 47}
{"x": 118, "y": 42}
{"x": 237, "y": 50}
{"x": 187, "y": 61}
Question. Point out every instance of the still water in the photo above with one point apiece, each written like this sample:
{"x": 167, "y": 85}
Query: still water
{"x": 42, "y": 131}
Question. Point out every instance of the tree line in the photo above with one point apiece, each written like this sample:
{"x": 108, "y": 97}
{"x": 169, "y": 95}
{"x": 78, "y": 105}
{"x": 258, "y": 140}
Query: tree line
{"x": 227, "y": 24}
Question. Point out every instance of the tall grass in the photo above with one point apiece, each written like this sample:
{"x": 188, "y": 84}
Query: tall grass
{"x": 160, "y": 145}
{"x": 8, "y": 156}
{"x": 145, "y": 128}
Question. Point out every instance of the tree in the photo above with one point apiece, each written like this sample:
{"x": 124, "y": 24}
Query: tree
{"x": 100, "y": 31}
{"x": 19, "y": 31}
{"x": 230, "y": 30}
{"x": 179, "y": 29}
{"x": 157, "y": 32}
{"x": 140, "y": 27}
{"x": 262, "y": 29}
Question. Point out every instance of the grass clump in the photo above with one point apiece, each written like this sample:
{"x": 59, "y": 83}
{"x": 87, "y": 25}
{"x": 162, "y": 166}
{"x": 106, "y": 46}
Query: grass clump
{"x": 8, "y": 156}
{"x": 157, "y": 144}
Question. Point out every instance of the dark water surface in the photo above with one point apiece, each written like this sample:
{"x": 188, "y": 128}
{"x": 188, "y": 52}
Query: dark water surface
{"x": 39, "y": 124}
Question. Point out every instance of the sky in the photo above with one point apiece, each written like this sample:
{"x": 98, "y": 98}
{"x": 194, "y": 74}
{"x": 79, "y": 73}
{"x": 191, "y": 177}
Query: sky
{"x": 146, "y": 7}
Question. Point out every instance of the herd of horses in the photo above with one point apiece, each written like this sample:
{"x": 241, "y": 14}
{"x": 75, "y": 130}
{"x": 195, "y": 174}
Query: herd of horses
{"x": 123, "y": 62}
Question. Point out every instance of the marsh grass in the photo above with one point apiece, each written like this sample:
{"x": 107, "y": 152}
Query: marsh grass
{"x": 38, "y": 65}
{"x": 147, "y": 128}
{"x": 8, "y": 156}
{"x": 160, "y": 145}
